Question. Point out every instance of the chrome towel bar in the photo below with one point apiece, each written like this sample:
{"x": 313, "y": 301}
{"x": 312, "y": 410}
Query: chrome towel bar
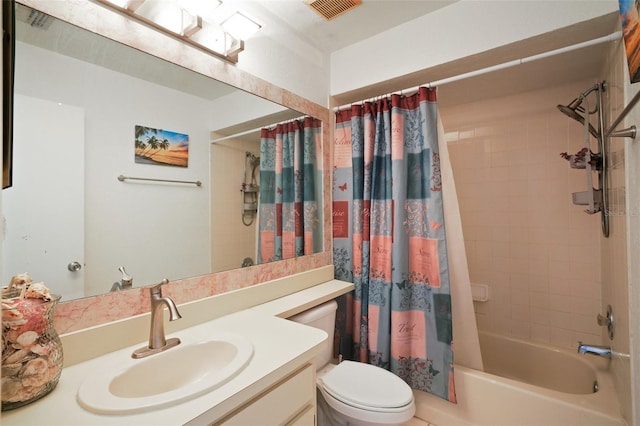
{"x": 122, "y": 178}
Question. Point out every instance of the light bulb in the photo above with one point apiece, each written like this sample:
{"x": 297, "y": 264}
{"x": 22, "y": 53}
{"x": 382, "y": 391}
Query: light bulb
{"x": 239, "y": 26}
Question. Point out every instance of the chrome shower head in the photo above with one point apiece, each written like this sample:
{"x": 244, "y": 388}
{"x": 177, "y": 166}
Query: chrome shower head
{"x": 252, "y": 159}
{"x": 570, "y": 111}
{"x": 575, "y": 107}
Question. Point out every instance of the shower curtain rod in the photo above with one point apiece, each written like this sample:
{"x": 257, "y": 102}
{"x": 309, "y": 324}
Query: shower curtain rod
{"x": 611, "y": 37}
{"x": 247, "y": 132}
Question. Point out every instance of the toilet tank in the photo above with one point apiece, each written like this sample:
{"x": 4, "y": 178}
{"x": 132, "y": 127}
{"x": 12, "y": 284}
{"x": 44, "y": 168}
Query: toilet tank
{"x": 322, "y": 317}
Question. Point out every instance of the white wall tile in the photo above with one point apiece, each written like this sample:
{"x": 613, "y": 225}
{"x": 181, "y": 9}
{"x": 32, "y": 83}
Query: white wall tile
{"x": 539, "y": 254}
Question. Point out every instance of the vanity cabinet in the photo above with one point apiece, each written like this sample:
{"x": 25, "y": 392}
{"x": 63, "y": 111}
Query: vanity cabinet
{"x": 291, "y": 401}
{"x": 277, "y": 387}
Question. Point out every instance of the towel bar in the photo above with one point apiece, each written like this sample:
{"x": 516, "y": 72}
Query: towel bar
{"x": 122, "y": 178}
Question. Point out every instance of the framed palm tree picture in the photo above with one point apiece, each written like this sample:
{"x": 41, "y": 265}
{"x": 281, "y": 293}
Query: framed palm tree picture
{"x": 161, "y": 147}
{"x": 629, "y": 19}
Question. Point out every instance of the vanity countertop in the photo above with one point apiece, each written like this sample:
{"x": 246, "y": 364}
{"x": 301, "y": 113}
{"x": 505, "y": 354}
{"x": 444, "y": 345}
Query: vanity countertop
{"x": 280, "y": 348}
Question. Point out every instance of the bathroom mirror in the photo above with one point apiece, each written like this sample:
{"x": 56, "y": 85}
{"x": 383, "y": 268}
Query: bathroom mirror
{"x": 79, "y": 98}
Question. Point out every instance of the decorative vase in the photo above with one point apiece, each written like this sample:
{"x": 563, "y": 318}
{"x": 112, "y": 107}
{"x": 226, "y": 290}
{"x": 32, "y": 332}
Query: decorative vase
{"x": 31, "y": 350}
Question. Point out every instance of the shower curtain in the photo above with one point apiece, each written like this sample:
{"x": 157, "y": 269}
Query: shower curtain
{"x": 389, "y": 238}
{"x": 288, "y": 224}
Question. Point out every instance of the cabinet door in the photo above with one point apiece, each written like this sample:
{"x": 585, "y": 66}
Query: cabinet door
{"x": 306, "y": 418}
{"x": 281, "y": 404}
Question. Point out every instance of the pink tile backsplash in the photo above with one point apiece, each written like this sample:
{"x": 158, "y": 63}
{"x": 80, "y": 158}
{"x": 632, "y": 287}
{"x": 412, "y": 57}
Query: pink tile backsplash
{"x": 539, "y": 254}
{"x": 82, "y": 313}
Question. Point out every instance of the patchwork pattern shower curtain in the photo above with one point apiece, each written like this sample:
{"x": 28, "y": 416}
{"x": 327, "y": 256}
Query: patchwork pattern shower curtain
{"x": 288, "y": 224}
{"x": 389, "y": 238}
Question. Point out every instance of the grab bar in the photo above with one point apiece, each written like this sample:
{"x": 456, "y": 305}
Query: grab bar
{"x": 122, "y": 178}
{"x": 632, "y": 103}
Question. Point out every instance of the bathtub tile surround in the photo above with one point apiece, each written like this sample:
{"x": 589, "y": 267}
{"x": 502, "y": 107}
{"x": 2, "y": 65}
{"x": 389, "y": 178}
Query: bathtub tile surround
{"x": 538, "y": 253}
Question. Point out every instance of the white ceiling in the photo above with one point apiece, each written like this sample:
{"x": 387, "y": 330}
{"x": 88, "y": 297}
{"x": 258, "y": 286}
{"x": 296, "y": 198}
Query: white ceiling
{"x": 359, "y": 23}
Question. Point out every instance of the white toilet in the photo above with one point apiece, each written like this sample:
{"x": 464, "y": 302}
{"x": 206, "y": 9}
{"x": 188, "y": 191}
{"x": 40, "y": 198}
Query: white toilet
{"x": 354, "y": 393}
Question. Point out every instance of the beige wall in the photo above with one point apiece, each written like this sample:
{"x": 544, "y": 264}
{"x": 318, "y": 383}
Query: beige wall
{"x": 538, "y": 253}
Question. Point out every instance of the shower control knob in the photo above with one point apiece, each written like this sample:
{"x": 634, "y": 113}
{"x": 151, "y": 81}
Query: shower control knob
{"x": 602, "y": 320}
{"x": 607, "y": 321}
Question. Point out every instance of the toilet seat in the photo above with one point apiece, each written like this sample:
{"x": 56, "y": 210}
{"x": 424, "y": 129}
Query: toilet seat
{"x": 358, "y": 416}
{"x": 357, "y": 394}
{"x": 367, "y": 387}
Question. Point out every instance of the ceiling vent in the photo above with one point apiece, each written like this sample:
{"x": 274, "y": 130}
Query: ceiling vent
{"x": 330, "y": 9}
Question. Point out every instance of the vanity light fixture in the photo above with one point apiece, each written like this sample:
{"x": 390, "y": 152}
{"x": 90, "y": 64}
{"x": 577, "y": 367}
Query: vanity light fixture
{"x": 190, "y": 24}
{"x": 120, "y": 3}
{"x": 204, "y": 8}
{"x": 240, "y": 26}
{"x": 171, "y": 16}
{"x": 130, "y": 5}
{"x": 182, "y": 19}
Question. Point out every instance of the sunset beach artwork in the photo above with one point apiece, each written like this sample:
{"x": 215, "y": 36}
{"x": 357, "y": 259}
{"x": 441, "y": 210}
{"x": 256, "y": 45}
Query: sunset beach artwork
{"x": 631, "y": 32}
{"x": 161, "y": 147}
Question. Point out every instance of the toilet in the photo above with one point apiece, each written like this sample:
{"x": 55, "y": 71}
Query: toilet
{"x": 354, "y": 393}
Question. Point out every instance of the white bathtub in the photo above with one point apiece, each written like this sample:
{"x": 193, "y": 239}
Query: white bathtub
{"x": 526, "y": 384}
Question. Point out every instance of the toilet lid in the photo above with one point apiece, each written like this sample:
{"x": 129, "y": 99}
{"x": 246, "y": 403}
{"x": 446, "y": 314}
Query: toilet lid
{"x": 366, "y": 385}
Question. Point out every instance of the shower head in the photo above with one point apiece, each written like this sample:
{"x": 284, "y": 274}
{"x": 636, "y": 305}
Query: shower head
{"x": 570, "y": 111}
{"x": 252, "y": 157}
{"x": 575, "y": 107}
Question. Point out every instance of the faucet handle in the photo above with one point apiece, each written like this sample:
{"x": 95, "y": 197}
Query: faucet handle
{"x": 156, "y": 290}
{"x": 127, "y": 280}
{"x": 156, "y": 297}
{"x": 125, "y": 276}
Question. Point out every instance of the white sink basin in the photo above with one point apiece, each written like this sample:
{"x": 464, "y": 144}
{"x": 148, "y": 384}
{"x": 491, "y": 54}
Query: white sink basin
{"x": 180, "y": 373}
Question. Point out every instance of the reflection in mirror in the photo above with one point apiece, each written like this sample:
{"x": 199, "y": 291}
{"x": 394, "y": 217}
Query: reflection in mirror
{"x": 279, "y": 186}
{"x": 75, "y": 134}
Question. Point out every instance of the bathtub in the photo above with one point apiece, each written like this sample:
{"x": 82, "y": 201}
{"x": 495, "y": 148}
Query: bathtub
{"x": 526, "y": 384}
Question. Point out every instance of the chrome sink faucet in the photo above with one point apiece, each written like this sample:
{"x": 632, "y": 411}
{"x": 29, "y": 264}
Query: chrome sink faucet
{"x": 603, "y": 351}
{"x": 157, "y": 340}
{"x": 125, "y": 283}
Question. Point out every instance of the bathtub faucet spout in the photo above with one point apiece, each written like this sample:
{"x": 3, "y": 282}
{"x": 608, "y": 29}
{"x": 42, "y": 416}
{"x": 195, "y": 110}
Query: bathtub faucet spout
{"x": 603, "y": 351}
